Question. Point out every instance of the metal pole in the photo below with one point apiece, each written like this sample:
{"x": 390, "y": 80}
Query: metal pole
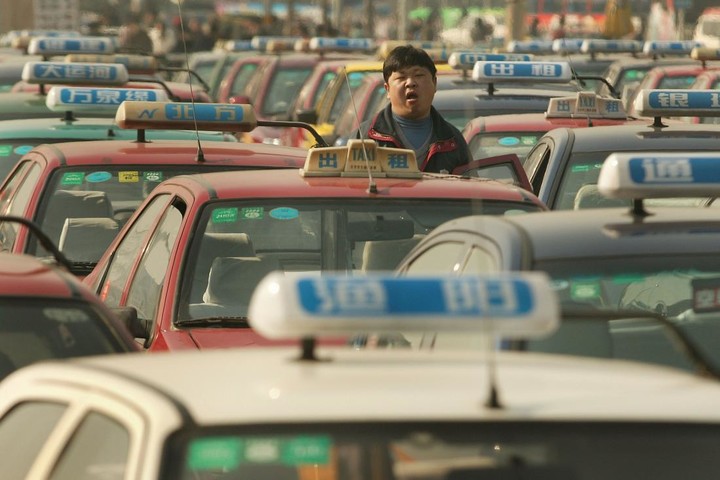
{"x": 402, "y": 19}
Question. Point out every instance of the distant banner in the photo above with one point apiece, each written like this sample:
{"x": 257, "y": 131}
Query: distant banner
{"x": 56, "y": 14}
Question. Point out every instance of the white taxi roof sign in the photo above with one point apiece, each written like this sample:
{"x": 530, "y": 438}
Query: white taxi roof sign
{"x": 48, "y": 46}
{"x": 225, "y": 117}
{"x": 75, "y": 73}
{"x": 600, "y": 45}
{"x": 660, "y": 175}
{"x": 260, "y": 42}
{"x": 567, "y": 45}
{"x": 360, "y": 158}
{"x": 133, "y": 63}
{"x": 465, "y": 60}
{"x": 388, "y": 46}
{"x": 670, "y": 47}
{"x": 677, "y": 103}
{"x": 705, "y": 53}
{"x": 550, "y": 72}
{"x": 98, "y": 99}
{"x": 325, "y": 44}
{"x": 530, "y": 46}
{"x": 508, "y": 305}
{"x": 585, "y": 105}
{"x": 237, "y": 45}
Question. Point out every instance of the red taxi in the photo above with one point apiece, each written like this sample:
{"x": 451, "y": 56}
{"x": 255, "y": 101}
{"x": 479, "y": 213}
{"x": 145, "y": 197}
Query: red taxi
{"x": 81, "y": 193}
{"x": 185, "y": 265}
{"x": 46, "y": 313}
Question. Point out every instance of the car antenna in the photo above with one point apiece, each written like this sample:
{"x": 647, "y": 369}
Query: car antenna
{"x": 580, "y": 82}
{"x": 493, "y": 399}
{"x": 200, "y": 155}
{"x": 372, "y": 187}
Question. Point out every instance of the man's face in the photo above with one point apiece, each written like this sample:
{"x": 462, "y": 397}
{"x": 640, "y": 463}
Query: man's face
{"x": 411, "y": 92}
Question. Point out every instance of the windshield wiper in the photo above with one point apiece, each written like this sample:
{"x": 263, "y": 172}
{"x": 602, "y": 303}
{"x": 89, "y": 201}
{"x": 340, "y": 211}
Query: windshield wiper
{"x": 215, "y": 322}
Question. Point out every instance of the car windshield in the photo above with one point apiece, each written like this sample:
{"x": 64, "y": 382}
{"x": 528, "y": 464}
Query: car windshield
{"x": 284, "y": 87}
{"x": 465, "y": 450}
{"x": 32, "y": 330}
{"x": 237, "y": 243}
{"x": 492, "y": 144}
{"x": 12, "y": 151}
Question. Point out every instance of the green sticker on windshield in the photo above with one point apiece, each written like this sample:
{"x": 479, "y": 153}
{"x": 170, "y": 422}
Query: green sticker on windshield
{"x": 580, "y": 168}
{"x": 225, "y": 215}
{"x": 72, "y": 178}
{"x": 252, "y": 213}
{"x": 5, "y": 150}
{"x": 153, "y": 176}
{"x": 584, "y": 290}
{"x": 307, "y": 450}
{"x": 215, "y": 454}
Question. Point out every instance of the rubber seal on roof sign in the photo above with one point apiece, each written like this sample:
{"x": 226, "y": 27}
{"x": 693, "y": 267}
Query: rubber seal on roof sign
{"x": 252, "y": 213}
{"x": 225, "y": 215}
{"x": 72, "y": 178}
{"x": 284, "y": 213}
{"x": 97, "y": 177}
{"x": 23, "y": 149}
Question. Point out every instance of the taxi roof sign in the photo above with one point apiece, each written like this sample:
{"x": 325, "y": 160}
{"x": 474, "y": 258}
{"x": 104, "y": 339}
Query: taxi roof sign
{"x": 465, "y": 60}
{"x": 325, "y": 44}
{"x": 677, "y": 103}
{"x": 660, "y": 175}
{"x": 388, "y": 46}
{"x": 567, "y": 45}
{"x": 186, "y": 116}
{"x": 599, "y": 45}
{"x": 75, "y": 73}
{"x": 360, "y": 158}
{"x": 552, "y": 72}
{"x": 705, "y": 53}
{"x": 133, "y": 63}
{"x": 585, "y": 105}
{"x": 508, "y": 305}
{"x": 260, "y": 42}
{"x": 99, "y": 99}
{"x": 49, "y": 46}
{"x": 237, "y": 45}
{"x": 530, "y": 46}
{"x": 670, "y": 47}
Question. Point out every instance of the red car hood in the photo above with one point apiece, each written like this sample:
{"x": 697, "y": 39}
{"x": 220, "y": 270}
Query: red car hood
{"x": 242, "y": 337}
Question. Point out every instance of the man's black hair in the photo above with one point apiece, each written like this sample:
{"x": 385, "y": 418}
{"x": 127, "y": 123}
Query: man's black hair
{"x": 405, "y": 56}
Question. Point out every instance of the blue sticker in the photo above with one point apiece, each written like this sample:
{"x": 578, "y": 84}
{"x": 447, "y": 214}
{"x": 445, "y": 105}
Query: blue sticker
{"x": 284, "y": 213}
{"x": 23, "y": 149}
{"x": 97, "y": 177}
{"x": 509, "y": 141}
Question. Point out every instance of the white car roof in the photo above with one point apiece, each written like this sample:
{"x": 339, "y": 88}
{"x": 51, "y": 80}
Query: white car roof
{"x": 229, "y": 387}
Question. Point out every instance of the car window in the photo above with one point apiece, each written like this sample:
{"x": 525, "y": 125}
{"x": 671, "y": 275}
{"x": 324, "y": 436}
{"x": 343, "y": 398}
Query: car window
{"x": 98, "y": 449}
{"x": 14, "y": 200}
{"x": 242, "y": 78}
{"x": 144, "y": 293}
{"x": 122, "y": 262}
{"x": 535, "y": 165}
{"x": 283, "y": 89}
{"x": 443, "y": 258}
{"x": 679, "y": 81}
{"x": 492, "y": 144}
{"x": 23, "y": 432}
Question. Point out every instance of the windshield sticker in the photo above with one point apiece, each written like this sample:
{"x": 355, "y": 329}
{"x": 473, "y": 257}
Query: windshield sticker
{"x": 23, "y": 149}
{"x": 153, "y": 176}
{"x": 705, "y": 294}
{"x": 584, "y": 290}
{"x": 252, "y": 213}
{"x": 306, "y": 450}
{"x": 225, "y": 215}
{"x": 65, "y": 315}
{"x": 128, "y": 177}
{"x": 72, "y": 178}
{"x": 528, "y": 140}
{"x": 97, "y": 177}
{"x": 284, "y": 213}
{"x": 5, "y": 150}
{"x": 215, "y": 454}
{"x": 508, "y": 141}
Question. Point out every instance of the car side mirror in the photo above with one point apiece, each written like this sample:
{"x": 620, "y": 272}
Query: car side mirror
{"x": 138, "y": 327}
{"x": 306, "y": 116}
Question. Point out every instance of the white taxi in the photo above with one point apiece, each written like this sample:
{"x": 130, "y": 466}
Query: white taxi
{"x": 339, "y": 413}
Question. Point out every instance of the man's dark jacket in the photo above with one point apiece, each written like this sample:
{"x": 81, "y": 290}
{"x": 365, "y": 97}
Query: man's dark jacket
{"x": 448, "y": 148}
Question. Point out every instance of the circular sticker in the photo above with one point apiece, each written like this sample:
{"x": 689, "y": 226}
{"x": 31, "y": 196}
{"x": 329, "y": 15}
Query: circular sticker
{"x": 284, "y": 213}
{"x": 509, "y": 141}
{"x": 96, "y": 177}
{"x": 23, "y": 149}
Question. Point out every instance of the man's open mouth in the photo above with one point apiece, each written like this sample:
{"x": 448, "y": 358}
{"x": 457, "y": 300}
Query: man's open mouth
{"x": 411, "y": 96}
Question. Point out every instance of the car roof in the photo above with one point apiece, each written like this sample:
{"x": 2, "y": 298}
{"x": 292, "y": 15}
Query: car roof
{"x": 386, "y": 385}
{"x": 536, "y": 122}
{"x": 289, "y": 183}
{"x": 24, "y": 275}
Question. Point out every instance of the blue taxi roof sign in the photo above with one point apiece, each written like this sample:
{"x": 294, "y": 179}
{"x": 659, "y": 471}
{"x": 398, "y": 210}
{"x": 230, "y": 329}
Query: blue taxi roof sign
{"x": 660, "y": 175}
{"x": 225, "y": 117}
{"x": 99, "y": 99}
{"x": 551, "y": 72}
{"x": 326, "y": 44}
{"x": 300, "y": 305}
{"x": 585, "y": 105}
{"x": 237, "y": 45}
{"x": 261, "y": 42}
{"x": 567, "y": 45}
{"x": 670, "y": 47}
{"x": 360, "y": 158}
{"x": 677, "y": 103}
{"x": 49, "y": 46}
{"x": 387, "y": 46}
{"x": 75, "y": 73}
{"x": 465, "y": 60}
{"x": 530, "y": 46}
{"x": 600, "y": 45}
{"x": 133, "y": 63}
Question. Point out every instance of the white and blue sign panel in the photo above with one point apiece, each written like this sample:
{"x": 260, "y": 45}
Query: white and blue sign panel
{"x": 48, "y": 46}
{"x": 530, "y": 46}
{"x": 553, "y": 72}
{"x": 598, "y": 45}
{"x": 507, "y": 305}
{"x": 467, "y": 60}
{"x": 99, "y": 99}
{"x": 669, "y": 47}
{"x": 223, "y": 117}
{"x": 328, "y": 43}
{"x": 660, "y": 175}
{"x": 678, "y": 103}
{"x": 260, "y": 42}
{"x": 75, "y": 73}
{"x": 567, "y": 45}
